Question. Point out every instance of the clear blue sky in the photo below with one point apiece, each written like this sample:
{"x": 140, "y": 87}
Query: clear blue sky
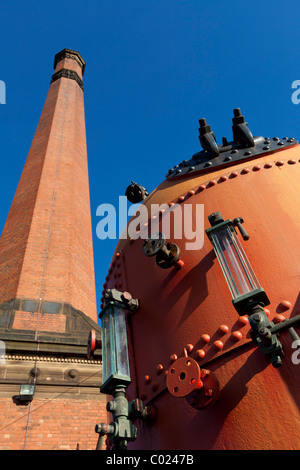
{"x": 153, "y": 69}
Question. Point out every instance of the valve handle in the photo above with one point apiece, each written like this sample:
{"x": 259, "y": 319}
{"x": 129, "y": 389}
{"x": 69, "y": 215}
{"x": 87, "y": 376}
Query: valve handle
{"x": 237, "y": 222}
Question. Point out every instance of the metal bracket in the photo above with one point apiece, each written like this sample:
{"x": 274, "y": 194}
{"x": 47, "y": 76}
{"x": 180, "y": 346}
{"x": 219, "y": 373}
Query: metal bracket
{"x": 124, "y": 299}
{"x": 243, "y": 147}
{"x": 136, "y": 193}
{"x": 167, "y": 254}
{"x": 122, "y": 430}
{"x": 263, "y": 336}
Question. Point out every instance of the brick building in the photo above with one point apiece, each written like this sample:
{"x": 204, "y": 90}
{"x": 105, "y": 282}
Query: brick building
{"x": 47, "y": 286}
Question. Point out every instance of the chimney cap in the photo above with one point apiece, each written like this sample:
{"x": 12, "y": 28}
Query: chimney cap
{"x": 69, "y": 53}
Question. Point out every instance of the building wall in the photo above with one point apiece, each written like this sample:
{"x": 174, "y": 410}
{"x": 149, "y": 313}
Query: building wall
{"x": 60, "y": 417}
{"x": 58, "y": 424}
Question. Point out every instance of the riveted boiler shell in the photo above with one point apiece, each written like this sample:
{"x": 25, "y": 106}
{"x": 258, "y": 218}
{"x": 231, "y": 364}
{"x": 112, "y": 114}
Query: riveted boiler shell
{"x": 258, "y": 407}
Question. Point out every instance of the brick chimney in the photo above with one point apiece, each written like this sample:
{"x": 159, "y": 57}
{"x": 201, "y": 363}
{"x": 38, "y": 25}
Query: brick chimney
{"x": 46, "y": 252}
{"x": 47, "y": 285}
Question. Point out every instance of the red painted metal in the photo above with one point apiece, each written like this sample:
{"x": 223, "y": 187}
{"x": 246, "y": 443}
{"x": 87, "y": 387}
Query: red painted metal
{"x": 258, "y": 405}
{"x": 184, "y": 377}
{"x": 93, "y": 344}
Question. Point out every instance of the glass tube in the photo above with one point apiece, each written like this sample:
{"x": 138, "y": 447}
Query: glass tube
{"x": 114, "y": 343}
{"x": 235, "y": 265}
{"x": 121, "y": 345}
{"x": 106, "y": 349}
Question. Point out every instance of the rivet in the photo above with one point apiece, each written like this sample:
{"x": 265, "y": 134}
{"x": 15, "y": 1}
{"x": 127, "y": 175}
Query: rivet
{"x": 181, "y": 198}
{"x": 191, "y": 168}
{"x": 118, "y": 255}
{"x": 173, "y": 357}
{"x": 276, "y": 138}
{"x": 280, "y": 143}
{"x": 268, "y": 165}
{"x": 247, "y": 153}
{"x": 285, "y": 305}
{"x": 237, "y": 335}
{"x": 147, "y": 379}
{"x": 219, "y": 344}
{"x": 189, "y": 348}
{"x": 228, "y": 159}
{"x": 234, "y": 174}
{"x": 266, "y": 147}
{"x": 234, "y": 151}
{"x": 212, "y": 183}
{"x": 208, "y": 164}
{"x": 256, "y": 168}
{"x": 278, "y": 318}
{"x": 159, "y": 369}
{"x": 224, "y": 329}
{"x": 245, "y": 171}
{"x": 201, "y": 187}
{"x": 205, "y": 338}
{"x": 243, "y": 320}
{"x": 291, "y": 139}
{"x": 292, "y": 162}
{"x": 223, "y": 178}
{"x": 204, "y": 373}
{"x": 180, "y": 263}
{"x": 279, "y": 163}
{"x": 171, "y": 204}
{"x": 191, "y": 192}
{"x": 200, "y": 353}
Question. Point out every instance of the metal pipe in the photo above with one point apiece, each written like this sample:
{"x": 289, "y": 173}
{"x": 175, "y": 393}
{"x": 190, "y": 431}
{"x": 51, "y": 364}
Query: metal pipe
{"x": 286, "y": 324}
{"x": 100, "y": 442}
{"x": 293, "y": 334}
